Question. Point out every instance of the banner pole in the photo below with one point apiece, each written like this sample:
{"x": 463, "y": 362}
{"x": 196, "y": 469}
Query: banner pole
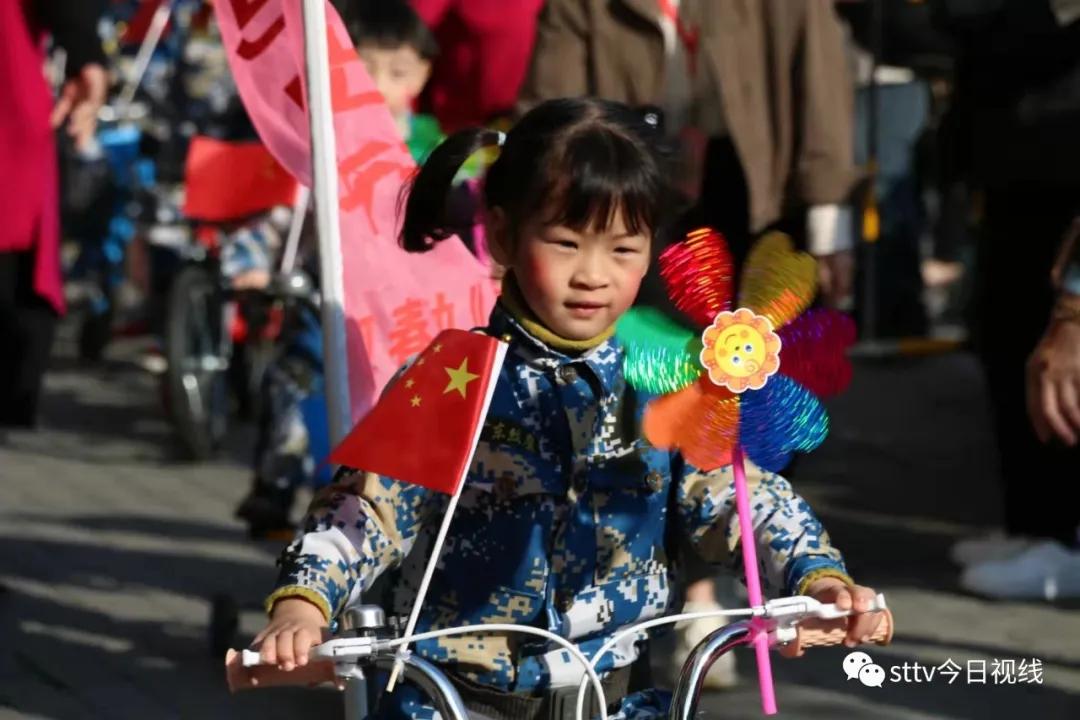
{"x": 325, "y": 190}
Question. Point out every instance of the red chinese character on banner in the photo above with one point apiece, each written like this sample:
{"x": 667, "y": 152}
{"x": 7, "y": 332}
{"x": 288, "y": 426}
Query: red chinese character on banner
{"x": 410, "y": 333}
{"x": 295, "y": 90}
{"x": 477, "y": 305}
{"x": 359, "y": 174}
{"x": 244, "y": 11}
{"x": 443, "y": 314}
{"x": 340, "y": 55}
{"x": 366, "y": 326}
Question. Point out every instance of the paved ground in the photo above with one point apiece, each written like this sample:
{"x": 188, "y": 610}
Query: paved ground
{"x": 112, "y": 547}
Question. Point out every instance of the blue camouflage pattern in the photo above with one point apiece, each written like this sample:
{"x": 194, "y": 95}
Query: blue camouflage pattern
{"x": 563, "y": 523}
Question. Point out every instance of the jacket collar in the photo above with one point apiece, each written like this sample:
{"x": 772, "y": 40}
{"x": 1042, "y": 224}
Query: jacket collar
{"x": 604, "y": 360}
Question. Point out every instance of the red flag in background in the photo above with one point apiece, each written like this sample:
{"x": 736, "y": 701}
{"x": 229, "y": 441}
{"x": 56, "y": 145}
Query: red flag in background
{"x": 230, "y": 180}
{"x": 139, "y": 23}
{"x": 424, "y": 428}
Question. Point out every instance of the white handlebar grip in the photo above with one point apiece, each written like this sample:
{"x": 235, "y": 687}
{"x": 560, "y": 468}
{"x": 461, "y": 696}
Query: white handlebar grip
{"x": 250, "y": 658}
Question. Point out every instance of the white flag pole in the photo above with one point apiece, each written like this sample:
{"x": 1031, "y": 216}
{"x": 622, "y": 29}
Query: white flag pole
{"x": 296, "y": 226}
{"x": 145, "y": 54}
{"x": 436, "y": 549}
{"x": 325, "y": 188}
{"x": 414, "y": 614}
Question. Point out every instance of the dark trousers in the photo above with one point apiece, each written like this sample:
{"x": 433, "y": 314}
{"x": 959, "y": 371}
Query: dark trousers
{"x": 27, "y": 326}
{"x": 1023, "y": 226}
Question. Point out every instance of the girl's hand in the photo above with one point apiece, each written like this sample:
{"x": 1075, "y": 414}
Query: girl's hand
{"x": 296, "y": 625}
{"x": 834, "y": 590}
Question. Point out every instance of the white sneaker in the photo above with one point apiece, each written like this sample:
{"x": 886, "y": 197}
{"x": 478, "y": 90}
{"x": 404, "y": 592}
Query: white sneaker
{"x": 689, "y": 633}
{"x": 1046, "y": 571}
{"x": 995, "y": 546}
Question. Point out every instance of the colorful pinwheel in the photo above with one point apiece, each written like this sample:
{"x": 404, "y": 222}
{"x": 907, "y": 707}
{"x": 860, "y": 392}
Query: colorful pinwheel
{"x": 748, "y": 382}
{"x": 754, "y": 376}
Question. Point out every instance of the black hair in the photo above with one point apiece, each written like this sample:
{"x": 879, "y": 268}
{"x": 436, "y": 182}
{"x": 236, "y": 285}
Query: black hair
{"x": 572, "y": 161}
{"x": 389, "y": 24}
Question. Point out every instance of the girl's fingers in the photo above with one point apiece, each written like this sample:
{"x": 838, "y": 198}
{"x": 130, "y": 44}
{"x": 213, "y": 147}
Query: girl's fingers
{"x": 864, "y": 599}
{"x": 305, "y": 639}
{"x": 863, "y": 623}
{"x": 863, "y": 626}
{"x": 258, "y": 639}
{"x": 268, "y": 647}
{"x": 285, "y": 656}
{"x": 843, "y": 599}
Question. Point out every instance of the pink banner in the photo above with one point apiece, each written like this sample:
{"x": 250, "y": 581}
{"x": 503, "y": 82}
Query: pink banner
{"x": 395, "y": 303}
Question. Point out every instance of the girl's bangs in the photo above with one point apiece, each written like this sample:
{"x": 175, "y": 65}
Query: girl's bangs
{"x": 599, "y": 174}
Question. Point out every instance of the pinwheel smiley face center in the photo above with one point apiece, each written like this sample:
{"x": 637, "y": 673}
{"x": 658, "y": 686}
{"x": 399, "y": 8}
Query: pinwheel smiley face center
{"x": 741, "y": 351}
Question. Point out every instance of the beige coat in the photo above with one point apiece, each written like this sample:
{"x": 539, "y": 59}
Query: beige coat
{"x": 778, "y": 69}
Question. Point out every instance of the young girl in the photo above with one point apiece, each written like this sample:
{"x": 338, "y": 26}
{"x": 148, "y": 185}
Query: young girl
{"x": 568, "y": 515}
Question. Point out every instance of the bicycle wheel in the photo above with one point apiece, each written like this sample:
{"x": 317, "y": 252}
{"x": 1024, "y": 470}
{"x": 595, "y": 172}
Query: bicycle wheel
{"x": 197, "y": 349}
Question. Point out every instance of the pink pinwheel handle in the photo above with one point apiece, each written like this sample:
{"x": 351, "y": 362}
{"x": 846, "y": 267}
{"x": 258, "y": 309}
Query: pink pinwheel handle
{"x": 753, "y": 580}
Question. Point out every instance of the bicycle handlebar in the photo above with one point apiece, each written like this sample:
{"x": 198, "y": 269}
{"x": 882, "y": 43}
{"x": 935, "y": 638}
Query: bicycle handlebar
{"x": 246, "y": 676}
{"x": 783, "y": 618}
{"x": 808, "y": 637}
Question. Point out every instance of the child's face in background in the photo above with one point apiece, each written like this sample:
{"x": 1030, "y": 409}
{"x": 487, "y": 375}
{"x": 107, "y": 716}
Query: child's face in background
{"x": 580, "y": 283}
{"x": 399, "y": 74}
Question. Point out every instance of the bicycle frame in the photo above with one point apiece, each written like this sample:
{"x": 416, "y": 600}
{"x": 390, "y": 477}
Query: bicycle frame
{"x": 692, "y": 676}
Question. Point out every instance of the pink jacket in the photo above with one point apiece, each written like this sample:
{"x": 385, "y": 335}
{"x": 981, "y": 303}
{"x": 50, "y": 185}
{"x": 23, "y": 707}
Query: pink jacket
{"x": 29, "y": 192}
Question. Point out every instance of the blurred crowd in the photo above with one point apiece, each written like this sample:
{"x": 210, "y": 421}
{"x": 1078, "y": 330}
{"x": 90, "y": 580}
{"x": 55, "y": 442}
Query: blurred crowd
{"x": 926, "y": 152}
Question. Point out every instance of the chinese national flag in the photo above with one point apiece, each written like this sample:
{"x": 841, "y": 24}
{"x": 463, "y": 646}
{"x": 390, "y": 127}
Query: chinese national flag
{"x": 425, "y": 427}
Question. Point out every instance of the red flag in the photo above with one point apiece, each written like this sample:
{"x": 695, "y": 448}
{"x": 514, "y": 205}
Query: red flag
{"x": 230, "y": 180}
{"x": 139, "y": 23}
{"x": 425, "y": 427}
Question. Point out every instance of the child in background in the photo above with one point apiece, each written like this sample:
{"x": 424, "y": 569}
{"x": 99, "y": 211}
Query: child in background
{"x": 397, "y": 49}
{"x": 568, "y": 516}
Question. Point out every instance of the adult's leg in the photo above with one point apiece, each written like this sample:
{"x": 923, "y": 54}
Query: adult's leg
{"x": 1023, "y": 228}
{"x": 28, "y": 328}
{"x": 9, "y": 264}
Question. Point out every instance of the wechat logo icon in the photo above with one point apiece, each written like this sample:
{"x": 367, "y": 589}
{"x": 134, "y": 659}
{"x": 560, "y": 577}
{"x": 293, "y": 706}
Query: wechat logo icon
{"x": 860, "y": 666}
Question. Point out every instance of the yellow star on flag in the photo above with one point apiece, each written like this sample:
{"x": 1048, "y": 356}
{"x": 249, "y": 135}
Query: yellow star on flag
{"x": 409, "y": 383}
{"x": 460, "y": 377}
{"x": 415, "y": 401}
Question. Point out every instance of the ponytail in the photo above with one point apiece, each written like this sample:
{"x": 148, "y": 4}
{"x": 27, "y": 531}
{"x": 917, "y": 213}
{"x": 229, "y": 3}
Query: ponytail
{"x": 426, "y": 221}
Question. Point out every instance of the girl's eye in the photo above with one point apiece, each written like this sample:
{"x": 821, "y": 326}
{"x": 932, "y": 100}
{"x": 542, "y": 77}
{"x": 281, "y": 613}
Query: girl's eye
{"x": 568, "y": 244}
{"x": 625, "y": 251}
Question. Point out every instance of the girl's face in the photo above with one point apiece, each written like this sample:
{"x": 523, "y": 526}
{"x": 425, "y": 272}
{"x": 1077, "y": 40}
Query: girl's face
{"x": 579, "y": 283}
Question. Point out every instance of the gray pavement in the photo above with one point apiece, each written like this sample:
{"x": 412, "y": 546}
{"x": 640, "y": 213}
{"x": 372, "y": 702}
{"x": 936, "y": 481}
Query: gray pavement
{"x": 112, "y": 548}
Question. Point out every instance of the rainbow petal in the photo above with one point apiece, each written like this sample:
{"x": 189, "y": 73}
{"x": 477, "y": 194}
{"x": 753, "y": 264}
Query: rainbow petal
{"x": 814, "y": 352}
{"x": 661, "y": 356}
{"x": 700, "y": 420}
{"x": 781, "y": 418}
{"x": 699, "y": 274}
{"x": 778, "y": 282}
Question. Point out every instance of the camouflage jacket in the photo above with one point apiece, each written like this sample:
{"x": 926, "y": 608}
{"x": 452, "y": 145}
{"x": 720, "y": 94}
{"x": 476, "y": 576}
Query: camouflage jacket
{"x": 566, "y": 522}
